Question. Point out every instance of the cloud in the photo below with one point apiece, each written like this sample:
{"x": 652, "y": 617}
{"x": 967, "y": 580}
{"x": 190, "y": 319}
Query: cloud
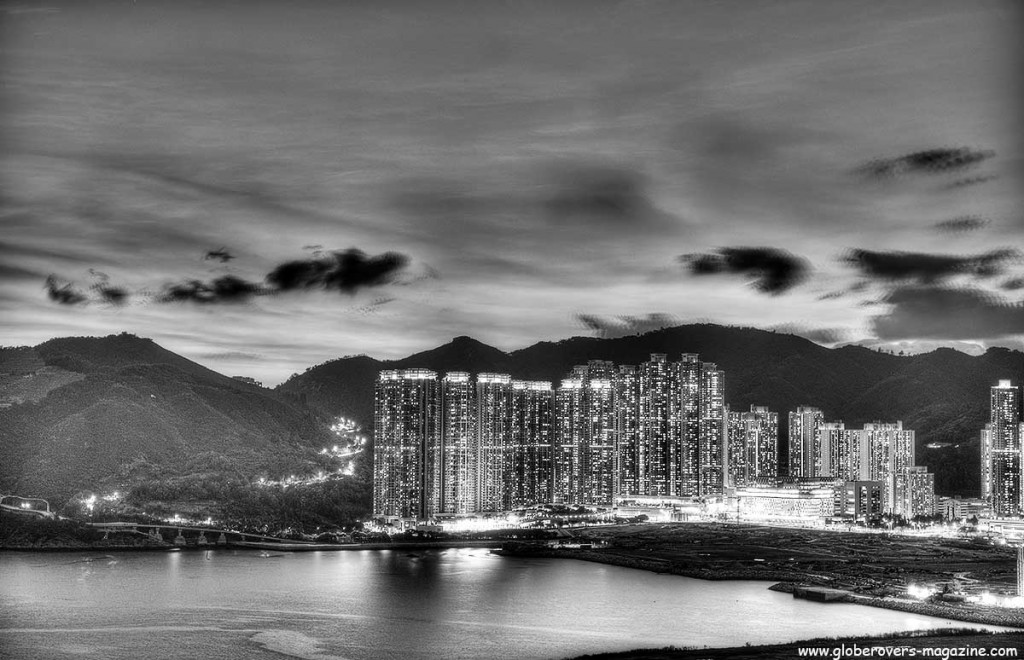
{"x": 595, "y": 192}
{"x": 964, "y": 223}
{"x": 774, "y": 271}
{"x": 622, "y": 326}
{"x": 1013, "y": 284}
{"x": 927, "y": 268}
{"x": 817, "y": 335}
{"x": 64, "y": 293}
{"x": 935, "y": 312}
{"x": 969, "y": 181}
{"x": 220, "y": 254}
{"x": 114, "y": 295}
{"x": 535, "y": 219}
{"x": 227, "y": 288}
{"x": 344, "y": 271}
{"x": 929, "y": 161}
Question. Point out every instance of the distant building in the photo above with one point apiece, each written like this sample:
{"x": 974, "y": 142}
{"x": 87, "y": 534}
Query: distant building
{"x": 585, "y": 436}
{"x": 860, "y": 501}
{"x": 711, "y": 442}
{"x": 878, "y": 452}
{"x": 407, "y": 445}
{"x": 460, "y": 445}
{"x": 955, "y": 508}
{"x": 890, "y": 452}
{"x": 1001, "y": 452}
{"x": 803, "y": 503}
{"x": 920, "y": 492}
{"x": 752, "y": 454}
{"x": 532, "y": 471}
{"x": 494, "y": 441}
{"x": 804, "y": 425}
{"x": 247, "y": 379}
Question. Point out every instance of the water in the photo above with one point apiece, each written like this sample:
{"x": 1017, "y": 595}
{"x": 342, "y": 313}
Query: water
{"x": 448, "y": 604}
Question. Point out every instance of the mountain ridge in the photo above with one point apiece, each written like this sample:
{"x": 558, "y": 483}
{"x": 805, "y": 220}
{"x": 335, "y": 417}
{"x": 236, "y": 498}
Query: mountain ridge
{"x": 942, "y": 395}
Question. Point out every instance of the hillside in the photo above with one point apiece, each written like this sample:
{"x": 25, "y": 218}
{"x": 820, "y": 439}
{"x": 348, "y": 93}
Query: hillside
{"x": 95, "y": 414}
{"x": 942, "y": 395}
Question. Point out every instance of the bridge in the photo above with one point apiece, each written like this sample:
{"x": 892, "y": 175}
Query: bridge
{"x": 182, "y": 535}
{"x": 29, "y": 506}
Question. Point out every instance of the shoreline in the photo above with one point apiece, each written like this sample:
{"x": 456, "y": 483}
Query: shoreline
{"x": 283, "y": 546}
{"x": 784, "y": 581}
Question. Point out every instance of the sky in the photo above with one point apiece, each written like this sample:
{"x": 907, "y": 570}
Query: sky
{"x": 264, "y": 186}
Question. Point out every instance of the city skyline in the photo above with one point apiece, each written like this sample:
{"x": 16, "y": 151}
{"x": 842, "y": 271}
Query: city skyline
{"x": 626, "y": 435}
{"x": 389, "y": 177}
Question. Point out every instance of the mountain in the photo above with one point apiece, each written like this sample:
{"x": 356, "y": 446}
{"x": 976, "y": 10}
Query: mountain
{"x": 83, "y": 413}
{"x": 942, "y": 395}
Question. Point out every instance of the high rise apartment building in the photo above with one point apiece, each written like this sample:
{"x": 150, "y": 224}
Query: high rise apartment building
{"x": 459, "y": 443}
{"x": 585, "y": 435}
{"x": 804, "y": 425}
{"x": 752, "y": 455}
{"x": 711, "y": 441}
{"x": 407, "y": 445}
{"x": 1001, "y": 450}
{"x": 494, "y": 441}
{"x": 532, "y": 472}
{"x": 890, "y": 453}
{"x": 919, "y": 497}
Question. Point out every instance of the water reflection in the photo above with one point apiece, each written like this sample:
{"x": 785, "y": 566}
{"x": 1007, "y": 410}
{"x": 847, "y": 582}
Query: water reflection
{"x": 461, "y": 603}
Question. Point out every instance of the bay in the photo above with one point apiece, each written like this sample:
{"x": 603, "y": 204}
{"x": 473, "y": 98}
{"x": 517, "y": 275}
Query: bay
{"x": 356, "y": 605}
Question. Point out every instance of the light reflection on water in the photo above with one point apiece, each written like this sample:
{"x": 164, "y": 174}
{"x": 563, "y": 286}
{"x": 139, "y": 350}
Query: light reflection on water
{"x": 463, "y": 603}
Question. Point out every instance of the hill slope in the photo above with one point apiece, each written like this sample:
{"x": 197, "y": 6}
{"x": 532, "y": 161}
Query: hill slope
{"x": 942, "y": 395}
{"x": 88, "y": 411}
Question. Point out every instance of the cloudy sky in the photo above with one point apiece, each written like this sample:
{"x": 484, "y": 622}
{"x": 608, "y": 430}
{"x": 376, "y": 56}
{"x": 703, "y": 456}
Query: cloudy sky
{"x": 262, "y": 186}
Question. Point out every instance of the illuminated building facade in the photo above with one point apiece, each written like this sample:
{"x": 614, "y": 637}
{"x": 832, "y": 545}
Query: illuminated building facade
{"x": 1001, "y": 452}
{"x": 920, "y": 492}
{"x": 494, "y": 441}
{"x": 585, "y": 435}
{"x": 632, "y": 453}
{"x": 752, "y": 447}
{"x": 671, "y": 428}
{"x": 804, "y": 425}
{"x": 407, "y": 470}
{"x": 711, "y": 441}
{"x": 810, "y": 502}
{"x": 459, "y": 443}
{"x": 861, "y": 501}
{"x": 463, "y": 445}
{"x": 659, "y": 437}
{"x": 690, "y": 408}
{"x": 890, "y": 452}
{"x": 532, "y": 477}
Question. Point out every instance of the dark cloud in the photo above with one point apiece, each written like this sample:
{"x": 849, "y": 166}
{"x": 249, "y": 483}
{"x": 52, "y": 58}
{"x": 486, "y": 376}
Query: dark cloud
{"x": 622, "y": 326}
{"x": 344, "y": 271}
{"x": 63, "y": 293}
{"x": 539, "y": 219}
{"x": 1013, "y": 284}
{"x": 220, "y": 254}
{"x": 929, "y": 161}
{"x": 927, "y": 268}
{"x": 774, "y": 271}
{"x": 228, "y": 288}
{"x": 969, "y": 181}
{"x": 595, "y": 192}
{"x": 964, "y": 223}
{"x": 935, "y": 312}
{"x": 113, "y": 295}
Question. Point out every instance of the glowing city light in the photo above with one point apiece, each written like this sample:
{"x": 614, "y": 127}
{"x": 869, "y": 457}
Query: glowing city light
{"x": 919, "y": 592}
